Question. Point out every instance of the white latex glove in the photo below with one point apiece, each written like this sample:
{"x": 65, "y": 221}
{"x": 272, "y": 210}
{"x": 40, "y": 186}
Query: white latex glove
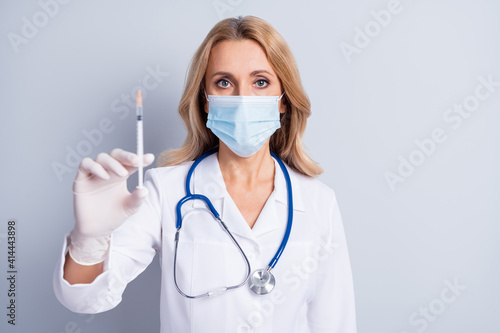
{"x": 102, "y": 202}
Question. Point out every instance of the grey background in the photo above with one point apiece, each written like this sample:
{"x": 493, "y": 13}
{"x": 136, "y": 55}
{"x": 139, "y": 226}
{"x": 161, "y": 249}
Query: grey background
{"x": 440, "y": 224}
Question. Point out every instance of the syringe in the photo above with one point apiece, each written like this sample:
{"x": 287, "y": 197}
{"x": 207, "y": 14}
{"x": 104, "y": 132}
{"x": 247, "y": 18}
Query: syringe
{"x": 140, "y": 142}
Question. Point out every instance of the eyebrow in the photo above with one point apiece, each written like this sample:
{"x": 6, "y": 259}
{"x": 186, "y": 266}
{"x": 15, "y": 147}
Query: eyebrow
{"x": 223, "y": 74}
{"x": 254, "y": 73}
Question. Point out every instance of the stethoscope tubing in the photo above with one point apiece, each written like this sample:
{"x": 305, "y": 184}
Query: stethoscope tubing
{"x": 222, "y": 289}
{"x": 276, "y": 257}
{"x": 190, "y": 196}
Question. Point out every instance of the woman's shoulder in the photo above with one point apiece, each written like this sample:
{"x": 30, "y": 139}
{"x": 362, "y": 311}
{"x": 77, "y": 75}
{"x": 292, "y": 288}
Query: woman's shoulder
{"x": 310, "y": 186}
{"x": 171, "y": 172}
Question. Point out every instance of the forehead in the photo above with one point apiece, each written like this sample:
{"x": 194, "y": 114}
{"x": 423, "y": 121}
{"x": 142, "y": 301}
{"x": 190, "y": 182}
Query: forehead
{"x": 243, "y": 56}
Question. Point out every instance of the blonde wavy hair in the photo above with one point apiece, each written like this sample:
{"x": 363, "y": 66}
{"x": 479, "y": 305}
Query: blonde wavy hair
{"x": 286, "y": 142}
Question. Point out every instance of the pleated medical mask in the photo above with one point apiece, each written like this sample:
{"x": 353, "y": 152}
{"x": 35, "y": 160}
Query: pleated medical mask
{"x": 243, "y": 123}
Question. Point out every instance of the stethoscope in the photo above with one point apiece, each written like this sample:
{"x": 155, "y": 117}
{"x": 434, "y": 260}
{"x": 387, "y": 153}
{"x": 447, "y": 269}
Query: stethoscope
{"x": 261, "y": 281}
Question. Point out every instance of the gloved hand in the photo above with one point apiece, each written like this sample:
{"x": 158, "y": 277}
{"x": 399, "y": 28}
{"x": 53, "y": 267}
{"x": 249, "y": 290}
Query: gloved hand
{"x": 102, "y": 202}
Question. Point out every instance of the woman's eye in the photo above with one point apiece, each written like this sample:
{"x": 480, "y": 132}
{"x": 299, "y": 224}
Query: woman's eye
{"x": 223, "y": 83}
{"x": 261, "y": 83}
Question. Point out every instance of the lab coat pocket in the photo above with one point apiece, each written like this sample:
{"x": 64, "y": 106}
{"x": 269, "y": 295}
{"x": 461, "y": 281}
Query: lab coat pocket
{"x": 201, "y": 269}
{"x": 296, "y": 271}
{"x": 204, "y": 253}
{"x": 200, "y": 266}
{"x": 207, "y": 260}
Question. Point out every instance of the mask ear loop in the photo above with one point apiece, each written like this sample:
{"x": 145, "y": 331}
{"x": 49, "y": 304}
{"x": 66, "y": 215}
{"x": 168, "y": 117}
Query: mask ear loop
{"x": 281, "y": 114}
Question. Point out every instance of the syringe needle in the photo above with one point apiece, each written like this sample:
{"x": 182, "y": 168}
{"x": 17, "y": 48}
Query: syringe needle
{"x": 140, "y": 142}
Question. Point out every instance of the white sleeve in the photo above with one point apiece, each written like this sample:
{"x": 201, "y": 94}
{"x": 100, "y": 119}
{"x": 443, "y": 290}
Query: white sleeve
{"x": 132, "y": 249}
{"x": 332, "y": 307}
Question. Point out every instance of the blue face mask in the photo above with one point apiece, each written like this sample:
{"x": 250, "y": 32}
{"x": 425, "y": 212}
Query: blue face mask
{"x": 243, "y": 123}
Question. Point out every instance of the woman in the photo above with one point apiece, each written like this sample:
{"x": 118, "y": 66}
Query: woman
{"x": 117, "y": 233}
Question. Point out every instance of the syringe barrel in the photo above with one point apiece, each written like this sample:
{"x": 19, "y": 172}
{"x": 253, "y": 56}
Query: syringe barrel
{"x": 139, "y": 112}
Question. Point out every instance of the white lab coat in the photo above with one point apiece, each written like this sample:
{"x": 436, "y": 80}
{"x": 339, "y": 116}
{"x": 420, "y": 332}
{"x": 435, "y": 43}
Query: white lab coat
{"x": 314, "y": 290}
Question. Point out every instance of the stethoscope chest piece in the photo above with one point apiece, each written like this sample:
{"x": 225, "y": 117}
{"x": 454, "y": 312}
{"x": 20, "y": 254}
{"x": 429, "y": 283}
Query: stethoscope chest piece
{"x": 262, "y": 281}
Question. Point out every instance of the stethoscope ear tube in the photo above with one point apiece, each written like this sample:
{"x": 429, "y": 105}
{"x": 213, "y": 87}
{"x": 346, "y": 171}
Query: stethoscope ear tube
{"x": 276, "y": 257}
{"x": 262, "y": 281}
{"x": 193, "y": 197}
{"x": 190, "y": 196}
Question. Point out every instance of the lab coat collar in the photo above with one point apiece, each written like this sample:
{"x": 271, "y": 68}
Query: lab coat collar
{"x": 207, "y": 180}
